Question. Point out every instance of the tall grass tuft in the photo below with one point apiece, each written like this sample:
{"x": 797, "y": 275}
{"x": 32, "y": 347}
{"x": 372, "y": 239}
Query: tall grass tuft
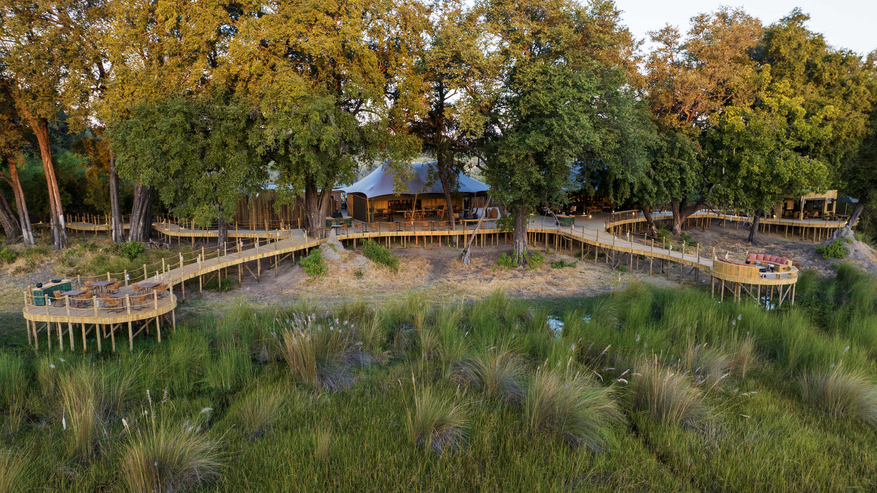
{"x": 436, "y": 424}
{"x": 321, "y": 350}
{"x": 498, "y": 371}
{"x": 14, "y": 378}
{"x": 667, "y": 395}
{"x": 229, "y": 370}
{"x": 841, "y": 395}
{"x": 258, "y": 411}
{"x": 89, "y": 397}
{"x": 169, "y": 459}
{"x": 570, "y": 407}
{"x": 12, "y": 469}
{"x": 322, "y": 444}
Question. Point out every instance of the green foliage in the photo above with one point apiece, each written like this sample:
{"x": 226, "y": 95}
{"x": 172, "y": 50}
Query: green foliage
{"x": 667, "y": 395}
{"x": 534, "y": 260}
{"x": 506, "y": 261}
{"x": 560, "y": 264}
{"x": 835, "y": 249}
{"x": 381, "y": 255}
{"x": 313, "y": 264}
{"x": 132, "y": 249}
{"x": 868, "y": 240}
{"x": 8, "y": 256}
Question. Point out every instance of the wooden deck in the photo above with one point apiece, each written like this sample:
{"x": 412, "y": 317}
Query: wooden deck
{"x": 255, "y": 245}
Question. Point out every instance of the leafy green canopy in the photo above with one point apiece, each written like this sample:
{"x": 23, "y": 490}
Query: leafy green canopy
{"x": 194, "y": 150}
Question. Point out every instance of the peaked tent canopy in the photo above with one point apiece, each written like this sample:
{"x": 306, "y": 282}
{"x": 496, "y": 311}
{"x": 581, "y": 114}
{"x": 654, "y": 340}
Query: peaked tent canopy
{"x": 380, "y": 182}
{"x": 375, "y": 194}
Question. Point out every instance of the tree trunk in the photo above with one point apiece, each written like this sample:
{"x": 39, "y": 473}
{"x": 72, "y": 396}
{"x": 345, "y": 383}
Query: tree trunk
{"x": 647, "y": 213}
{"x": 20, "y": 204}
{"x": 40, "y": 128}
{"x": 681, "y": 213}
{"x": 753, "y": 231}
{"x": 848, "y": 229}
{"x": 118, "y": 232}
{"x": 520, "y": 234}
{"x": 222, "y": 235}
{"x": 7, "y": 220}
{"x": 315, "y": 202}
{"x": 141, "y": 214}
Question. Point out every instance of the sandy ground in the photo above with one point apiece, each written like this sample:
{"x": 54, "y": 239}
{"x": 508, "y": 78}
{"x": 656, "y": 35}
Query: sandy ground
{"x": 438, "y": 275}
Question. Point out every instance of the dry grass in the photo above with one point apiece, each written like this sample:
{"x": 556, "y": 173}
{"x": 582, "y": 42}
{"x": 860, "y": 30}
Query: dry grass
{"x": 570, "y": 407}
{"x": 667, "y": 395}
{"x": 841, "y": 395}
{"x": 169, "y": 459}
{"x": 436, "y": 424}
{"x": 498, "y": 371}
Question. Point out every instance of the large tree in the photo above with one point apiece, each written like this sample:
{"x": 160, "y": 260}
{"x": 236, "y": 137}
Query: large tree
{"x": 556, "y": 105}
{"x": 12, "y": 144}
{"x": 194, "y": 151}
{"x": 334, "y": 85}
{"x": 692, "y": 77}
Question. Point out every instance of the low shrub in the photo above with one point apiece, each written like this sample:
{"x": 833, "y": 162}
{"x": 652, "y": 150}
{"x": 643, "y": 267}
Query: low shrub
{"x": 841, "y": 395}
{"x": 535, "y": 260}
{"x": 8, "y": 256}
{"x": 167, "y": 458}
{"x": 132, "y": 249}
{"x": 506, "y": 261}
{"x": 313, "y": 264}
{"x": 560, "y": 264}
{"x": 436, "y": 424}
{"x": 570, "y": 408}
{"x": 835, "y": 249}
{"x": 380, "y": 255}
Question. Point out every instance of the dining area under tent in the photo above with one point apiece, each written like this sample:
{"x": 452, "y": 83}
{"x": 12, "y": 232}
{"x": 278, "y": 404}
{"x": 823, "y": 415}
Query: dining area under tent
{"x": 384, "y": 196}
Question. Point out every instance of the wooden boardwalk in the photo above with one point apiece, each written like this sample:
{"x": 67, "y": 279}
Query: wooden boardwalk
{"x": 254, "y": 246}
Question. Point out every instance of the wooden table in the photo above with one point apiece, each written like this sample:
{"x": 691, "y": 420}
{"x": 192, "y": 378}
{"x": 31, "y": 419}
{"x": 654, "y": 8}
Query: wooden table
{"x": 148, "y": 285}
{"x": 103, "y": 284}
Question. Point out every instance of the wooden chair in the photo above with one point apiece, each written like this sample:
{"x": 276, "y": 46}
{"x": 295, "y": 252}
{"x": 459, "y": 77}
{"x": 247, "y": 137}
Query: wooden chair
{"x": 83, "y": 298}
{"x": 161, "y": 289}
{"x": 359, "y": 227}
{"x": 114, "y": 287}
{"x": 424, "y": 226}
{"x": 57, "y": 298}
{"x": 374, "y": 227}
{"x": 140, "y": 301}
{"x": 113, "y": 304}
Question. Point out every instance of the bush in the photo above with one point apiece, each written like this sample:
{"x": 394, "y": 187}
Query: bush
{"x": 841, "y": 395}
{"x": 313, "y": 264}
{"x": 436, "y": 424}
{"x": 535, "y": 260}
{"x": 381, "y": 255}
{"x": 7, "y": 256}
{"x": 570, "y": 408}
{"x": 506, "y": 261}
{"x": 667, "y": 395}
{"x": 560, "y": 264}
{"x": 132, "y": 249}
{"x": 169, "y": 459}
{"x": 835, "y": 249}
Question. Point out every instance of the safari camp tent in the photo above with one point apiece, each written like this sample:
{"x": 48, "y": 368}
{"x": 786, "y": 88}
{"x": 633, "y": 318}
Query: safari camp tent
{"x": 261, "y": 211}
{"x": 810, "y": 206}
{"x": 374, "y": 196}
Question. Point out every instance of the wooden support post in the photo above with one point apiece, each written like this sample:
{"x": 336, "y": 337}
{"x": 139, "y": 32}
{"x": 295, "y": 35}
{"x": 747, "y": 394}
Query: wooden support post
{"x": 130, "y": 336}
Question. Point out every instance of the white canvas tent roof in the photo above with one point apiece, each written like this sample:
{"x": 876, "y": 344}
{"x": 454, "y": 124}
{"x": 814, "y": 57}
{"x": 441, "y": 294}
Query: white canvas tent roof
{"x": 380, "y": 182}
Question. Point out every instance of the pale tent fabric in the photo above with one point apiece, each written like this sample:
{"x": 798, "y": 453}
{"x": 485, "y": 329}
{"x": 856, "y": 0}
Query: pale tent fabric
{"x": 380, "y": 182}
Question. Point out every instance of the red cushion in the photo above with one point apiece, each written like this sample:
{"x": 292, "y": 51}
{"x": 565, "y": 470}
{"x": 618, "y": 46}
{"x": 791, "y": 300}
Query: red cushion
{"x": 759, "y": 257}
{"x": 753, "y": 256}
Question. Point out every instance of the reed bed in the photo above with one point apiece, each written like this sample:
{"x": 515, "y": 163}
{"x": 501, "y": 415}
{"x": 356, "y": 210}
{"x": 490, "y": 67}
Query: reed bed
{"x": 644, "y": 389}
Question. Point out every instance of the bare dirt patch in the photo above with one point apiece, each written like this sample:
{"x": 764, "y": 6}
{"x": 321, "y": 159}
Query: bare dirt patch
{"x": 438, "y": 275}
